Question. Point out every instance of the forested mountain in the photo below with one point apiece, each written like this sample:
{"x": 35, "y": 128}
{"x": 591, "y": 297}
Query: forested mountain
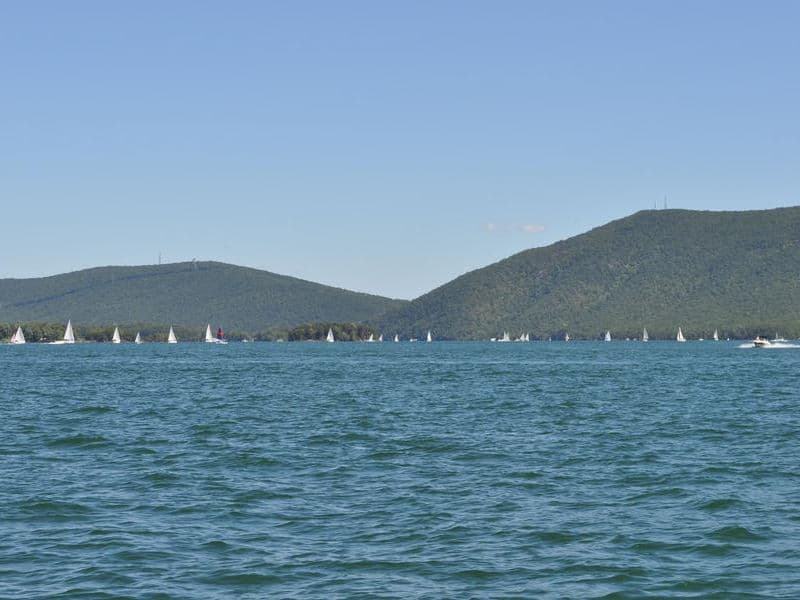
{"x": 738, "y": 272}
{"x": 189, "y": 294}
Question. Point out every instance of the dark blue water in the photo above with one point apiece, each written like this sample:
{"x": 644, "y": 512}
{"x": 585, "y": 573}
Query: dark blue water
{"x": 458, "y": 470}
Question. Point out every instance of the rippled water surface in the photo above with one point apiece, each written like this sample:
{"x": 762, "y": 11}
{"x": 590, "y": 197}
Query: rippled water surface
{"x": 400, "y": 470}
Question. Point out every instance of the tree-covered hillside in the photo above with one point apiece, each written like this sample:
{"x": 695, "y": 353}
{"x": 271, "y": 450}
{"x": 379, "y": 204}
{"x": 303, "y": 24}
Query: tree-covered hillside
{"x": 738, "y": 272}
{"x": 189, "y": 294}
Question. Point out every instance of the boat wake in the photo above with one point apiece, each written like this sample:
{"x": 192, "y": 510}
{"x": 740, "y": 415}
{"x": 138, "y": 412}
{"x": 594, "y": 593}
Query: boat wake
{"x": 772, "y": 346}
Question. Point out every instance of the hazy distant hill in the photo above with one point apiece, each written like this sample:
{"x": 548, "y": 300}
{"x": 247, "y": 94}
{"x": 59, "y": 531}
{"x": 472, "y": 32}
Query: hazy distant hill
{"x": 736, "y": 271}
{"x": 191, "y": 294}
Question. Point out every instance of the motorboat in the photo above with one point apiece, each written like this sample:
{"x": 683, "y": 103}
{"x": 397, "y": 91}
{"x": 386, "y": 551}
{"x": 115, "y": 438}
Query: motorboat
{"x": 760, "y": 342}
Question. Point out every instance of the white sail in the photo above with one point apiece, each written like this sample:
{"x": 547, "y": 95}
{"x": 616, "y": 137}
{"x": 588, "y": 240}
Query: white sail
{"x": 396, "y": 338}
{"x": 209, "y": 339}
{"x": 680, "y": 337}
{"x": 371, "y": 337}
{"x": 505, "y": 337}
{"x": 69, "y": 336}
{"x": 18, "y": 337}
{"x": 716, "y": 336}
{"x": 329, "y": 337}
{"x": 566, "y": 337}
{"x": 429, "y": 339}
{"x": 380, "y": 338}
{"x": 115, "y": 339}
{"x": 645, "y": 337}
{"x": 138, "y": 339}
{"x": 608, "y": 336}
{"x": 171, "y": 339}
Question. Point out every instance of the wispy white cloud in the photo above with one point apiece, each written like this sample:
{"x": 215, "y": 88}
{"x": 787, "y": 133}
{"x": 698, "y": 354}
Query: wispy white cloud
{"x": 490, "y": 227}
{"x": 531, "y": 228}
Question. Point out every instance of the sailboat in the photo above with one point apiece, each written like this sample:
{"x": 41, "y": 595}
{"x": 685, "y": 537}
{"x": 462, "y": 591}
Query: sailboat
{"x": 115, "y": 339}
{"x": 329, "y": 337}
{"x": 210, "y": 339}
{"x": 396, "y": 338}
{"x": 69, "y": 336}
{"x": 429, "y": 339}
{"x": 138, "y": 339}
{"x": 645, "y": 336}
{"x": 505, "y": 337}
{"x": 716, "y": 336}
{"x": 371, "y": 337}
{"x": 380, "y": 338}
{"x": 566, "y": 337}
{"x": 680, "y": 337}
{"x": 608, "y": 336}
{"x": 18, "y": 337}
{"x": 171, "y": 339}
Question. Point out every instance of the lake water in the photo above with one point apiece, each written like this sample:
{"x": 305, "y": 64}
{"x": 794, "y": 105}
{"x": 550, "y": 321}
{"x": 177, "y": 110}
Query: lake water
{"x": 444, "y": 470}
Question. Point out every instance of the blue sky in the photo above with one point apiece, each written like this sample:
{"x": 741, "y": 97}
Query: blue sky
{"x": 382, "y": 147}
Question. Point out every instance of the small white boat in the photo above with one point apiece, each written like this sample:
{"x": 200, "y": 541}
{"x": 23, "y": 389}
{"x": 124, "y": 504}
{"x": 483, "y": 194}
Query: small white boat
{"x": 716, "y": 336}
{"x": 645, "y": 336}
{"x": 18, "y": 337}
{"x": 329, "y": 337}
{"x": 371, "y": 338}
{"x": 505, "y": 337}
{"x": 171, "y": 339}
{"x": 607, "y": 338}
{"x": 778, "y": 340}
{"x": 413, "y": 339}
{"x": 138, "y": 339}
{"x": 566, "y": 337}
{"x": 760, "y": 342}
{"x": 429, "y": 338}
{"x": 380, "y": 338}
{"x": 116, "y": 339}
{"x": 396, "y": 338}
{"x": 69, "y": 336}
{"x": 679, "y": 337}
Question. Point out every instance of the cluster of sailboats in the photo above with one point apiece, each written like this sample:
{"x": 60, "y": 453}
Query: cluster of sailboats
{"x": 526, "y": 337}
{"x": 210, "y": 338}
{"x": 678, "y": 338}
{"x": 116, "y": 338}
{"x": 330, "y": 338}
